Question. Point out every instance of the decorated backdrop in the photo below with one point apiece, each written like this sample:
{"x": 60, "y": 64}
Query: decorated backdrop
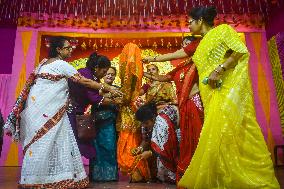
{"x": 31, "y": 48}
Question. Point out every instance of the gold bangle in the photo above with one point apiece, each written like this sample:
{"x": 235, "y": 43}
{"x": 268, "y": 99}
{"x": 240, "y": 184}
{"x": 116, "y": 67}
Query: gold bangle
{"x": 155, "y": 57}
{"x": 101, "y": 89}
{"x": 216, "y": 71}
{"x": 140, "y": 148}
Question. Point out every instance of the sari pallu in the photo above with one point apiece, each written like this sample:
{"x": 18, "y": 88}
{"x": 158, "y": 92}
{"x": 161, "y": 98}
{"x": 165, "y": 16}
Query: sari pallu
{"x": 231, "y": 152}
{"x": 164, "y": 143}
{"x": 191, "y": 112}
{"x": 51, "y": 156}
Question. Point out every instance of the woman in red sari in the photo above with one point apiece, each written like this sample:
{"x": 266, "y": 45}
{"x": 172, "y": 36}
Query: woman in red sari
{"x": 185, "y": 77}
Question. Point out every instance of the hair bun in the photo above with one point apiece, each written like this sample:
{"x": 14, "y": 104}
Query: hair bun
{"x": 207, "y": 13}
{"x": 94, "y": 55}
{"x": 153, "y": 106}
{"x": 210, "y": 12}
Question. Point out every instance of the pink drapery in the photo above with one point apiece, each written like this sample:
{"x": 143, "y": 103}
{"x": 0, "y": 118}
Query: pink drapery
{"x": 4, "y": 89}
{"x": 266, "y": 107}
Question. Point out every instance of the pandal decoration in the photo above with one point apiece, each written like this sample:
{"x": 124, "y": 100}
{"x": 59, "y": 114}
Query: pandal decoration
{"x": 164, "y": 67}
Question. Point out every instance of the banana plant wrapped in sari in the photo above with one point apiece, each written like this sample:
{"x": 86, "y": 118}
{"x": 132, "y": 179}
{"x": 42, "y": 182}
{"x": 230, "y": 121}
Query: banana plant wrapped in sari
{"x": 131, "y": 71}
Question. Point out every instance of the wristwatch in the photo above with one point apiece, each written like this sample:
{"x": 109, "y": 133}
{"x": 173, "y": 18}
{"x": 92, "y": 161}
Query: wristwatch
{"x": 223, "y": 67}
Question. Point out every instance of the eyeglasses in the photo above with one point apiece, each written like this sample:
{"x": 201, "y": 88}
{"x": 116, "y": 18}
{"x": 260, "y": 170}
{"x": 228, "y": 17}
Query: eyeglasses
{"x": 69, "y": 48}
{"x": 190, "y": 21}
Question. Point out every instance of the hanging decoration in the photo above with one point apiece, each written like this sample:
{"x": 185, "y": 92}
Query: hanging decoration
{"x": 108, "y": 43}
{"x": 128, "y": 14}
{"x": 164, "y": 67}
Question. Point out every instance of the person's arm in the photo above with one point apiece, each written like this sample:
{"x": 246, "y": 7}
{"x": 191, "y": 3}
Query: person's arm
{"x": 108, "y": 101}
{"x": 230, "y": 63}
{"x": 95, "y": 85}
{"x": 141, "y": 92}
{"x": 187, "y": 51}
{"x": 162, "y": 78}
{"x": 144, "y": 89}
{"x": 235, "y": 45}
{"x": 167, "y": 57}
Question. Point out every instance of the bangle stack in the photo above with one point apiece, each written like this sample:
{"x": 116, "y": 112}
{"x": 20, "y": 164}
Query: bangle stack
{"x": 140, "y": 148}
{"x": 217, "y": 71}
{"x": 155, "y": 57}
{"x": 223, "y": 67}
{"x": 102, "y": 87}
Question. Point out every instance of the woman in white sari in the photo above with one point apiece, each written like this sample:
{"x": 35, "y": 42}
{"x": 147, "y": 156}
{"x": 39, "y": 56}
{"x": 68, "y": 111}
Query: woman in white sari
{"x": 39, "y": 120}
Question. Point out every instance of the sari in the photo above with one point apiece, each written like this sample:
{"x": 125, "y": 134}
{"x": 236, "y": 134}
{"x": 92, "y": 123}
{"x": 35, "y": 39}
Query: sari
{"x": 81, "y": 98}
{"x": 231, "y": 152}
{"x": 162, "y": 94}
{"x": 39, "y": 120}
{"x": 130, "y": 73}
{"x": 164, "y": 143}
{"x": 191, "y": 112}
{"x": 159, "y": 92}
{"x": 104, "y": 165}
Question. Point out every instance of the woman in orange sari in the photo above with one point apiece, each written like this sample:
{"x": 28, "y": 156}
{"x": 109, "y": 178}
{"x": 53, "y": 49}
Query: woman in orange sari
{"x": 130, "y": 72}
{"x": 191, "y": 113}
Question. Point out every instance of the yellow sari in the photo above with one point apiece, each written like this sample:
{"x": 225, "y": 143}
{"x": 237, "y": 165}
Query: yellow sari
{"x": 231, "y": 152}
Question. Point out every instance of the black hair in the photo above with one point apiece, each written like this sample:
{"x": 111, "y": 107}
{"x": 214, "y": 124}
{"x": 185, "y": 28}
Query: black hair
{"x": 146, "y": 112}
{"x": 97, "y": 61}
{"x": 189, "y": 38}
{"x": 208, "y": 14}
{"x": 54, "y": 43}
{"x": 115, "y": 70}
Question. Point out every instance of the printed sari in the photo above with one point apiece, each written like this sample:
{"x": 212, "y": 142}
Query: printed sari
{"x": 39, "y": 120}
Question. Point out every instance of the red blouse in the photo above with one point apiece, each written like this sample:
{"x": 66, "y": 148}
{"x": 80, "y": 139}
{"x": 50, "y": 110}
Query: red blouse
{"x": 190, "y": 48}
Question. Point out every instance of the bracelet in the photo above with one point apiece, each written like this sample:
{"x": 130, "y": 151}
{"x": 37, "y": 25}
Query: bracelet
{"x": 155, "y": 57}
{"x": 100, "y": 103}
{"x": 216, "y": 71}
{"x": 102, "y": 87}
{"x": 140, "y": 148}
{"x": 223, "y": 67}
{"x": 151, "y": 152}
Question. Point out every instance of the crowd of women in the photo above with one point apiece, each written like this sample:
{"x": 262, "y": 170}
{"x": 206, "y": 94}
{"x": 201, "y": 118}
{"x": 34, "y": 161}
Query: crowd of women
{"x": 202, "y": 135}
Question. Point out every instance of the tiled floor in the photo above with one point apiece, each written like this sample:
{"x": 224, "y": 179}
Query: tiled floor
{"x": 9, "y": 177}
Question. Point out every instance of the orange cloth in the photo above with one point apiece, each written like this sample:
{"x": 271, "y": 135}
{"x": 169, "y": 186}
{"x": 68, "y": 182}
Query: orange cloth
{"x": 128, "y": 163}
{"x": 130, "y": 72}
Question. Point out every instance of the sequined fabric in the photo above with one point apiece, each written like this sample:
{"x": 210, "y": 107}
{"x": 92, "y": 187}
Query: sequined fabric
{"x": 231, "y": 152}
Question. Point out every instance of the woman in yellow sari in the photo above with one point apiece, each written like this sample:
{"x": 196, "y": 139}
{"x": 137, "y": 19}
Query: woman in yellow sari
{"x": 231, "y": 152}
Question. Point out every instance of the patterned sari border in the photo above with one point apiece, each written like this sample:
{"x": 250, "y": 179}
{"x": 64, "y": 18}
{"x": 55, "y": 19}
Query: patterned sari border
{"x": 47, "y": 126}
{"x": 64, "y": 184}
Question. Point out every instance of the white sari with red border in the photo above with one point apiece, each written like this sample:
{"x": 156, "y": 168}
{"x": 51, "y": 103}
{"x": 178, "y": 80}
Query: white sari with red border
{"x": 51, "y": 155}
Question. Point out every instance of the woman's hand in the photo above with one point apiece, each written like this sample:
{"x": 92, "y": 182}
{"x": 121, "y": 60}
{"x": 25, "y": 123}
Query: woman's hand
{"x": 114, "y": 91}
{"x": 214, "y": 77}
{"x": 146, "y": 154}
{"x": 139, "y": 102}
{"x": 118, "y": 100}
{"x": 147, "y": 60}
{"x": 136, "y": 151}
{"x": 147, "y": 75}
